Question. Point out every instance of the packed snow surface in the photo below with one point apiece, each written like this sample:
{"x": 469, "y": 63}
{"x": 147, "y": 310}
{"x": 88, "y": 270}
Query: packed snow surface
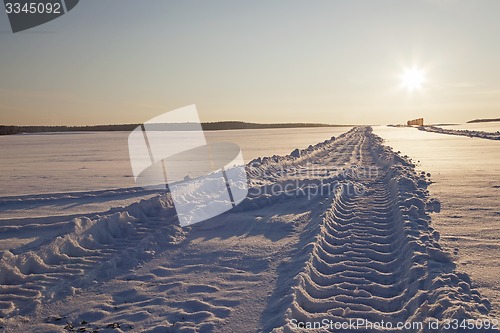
{"x": 339, "y": 231}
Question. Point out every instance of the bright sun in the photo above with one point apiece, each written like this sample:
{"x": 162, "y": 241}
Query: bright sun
{"x": 412, "y": 78}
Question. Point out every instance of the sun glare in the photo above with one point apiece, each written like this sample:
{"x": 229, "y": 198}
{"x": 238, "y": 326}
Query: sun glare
{"x": 412, "y": 78}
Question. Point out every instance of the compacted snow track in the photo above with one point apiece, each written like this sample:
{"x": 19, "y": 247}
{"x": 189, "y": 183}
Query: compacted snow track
{"x": 376, "y": 265}
{"x": 334, "y": 234}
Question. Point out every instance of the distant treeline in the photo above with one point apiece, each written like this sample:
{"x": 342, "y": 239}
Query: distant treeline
{"x": 6, "y": 130}
{"x": 214, "y": 126}
{"x": 229, "y": 125}
{"x": 483, "y": 120}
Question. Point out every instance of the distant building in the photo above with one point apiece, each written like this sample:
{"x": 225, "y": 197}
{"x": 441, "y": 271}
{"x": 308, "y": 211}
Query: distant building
{"x": 416, "y": 122}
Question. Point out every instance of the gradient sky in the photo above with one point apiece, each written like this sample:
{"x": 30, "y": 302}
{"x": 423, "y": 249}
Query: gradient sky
{"x": 116, "y": 61}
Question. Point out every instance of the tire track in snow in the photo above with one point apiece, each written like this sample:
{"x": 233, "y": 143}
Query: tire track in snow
{"x": 377, "y": 259}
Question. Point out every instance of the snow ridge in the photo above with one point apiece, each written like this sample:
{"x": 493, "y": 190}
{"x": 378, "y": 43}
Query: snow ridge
{"x": 469, "y": 133}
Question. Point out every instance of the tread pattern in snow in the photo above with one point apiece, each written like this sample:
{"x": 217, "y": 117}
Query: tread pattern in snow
{"x": 376, "y": 259}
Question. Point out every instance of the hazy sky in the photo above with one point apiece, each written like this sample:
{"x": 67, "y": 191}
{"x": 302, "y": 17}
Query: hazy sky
{"x": 117, "y": 61}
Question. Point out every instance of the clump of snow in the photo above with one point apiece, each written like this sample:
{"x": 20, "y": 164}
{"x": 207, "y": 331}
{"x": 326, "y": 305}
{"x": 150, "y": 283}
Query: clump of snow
{"x": 295, "y": 153}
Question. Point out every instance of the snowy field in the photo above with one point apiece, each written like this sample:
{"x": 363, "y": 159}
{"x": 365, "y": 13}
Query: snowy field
{"x": 41, "y": 169}
{"x": 87, "y": 161}
{"x": 344, "y": 230}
